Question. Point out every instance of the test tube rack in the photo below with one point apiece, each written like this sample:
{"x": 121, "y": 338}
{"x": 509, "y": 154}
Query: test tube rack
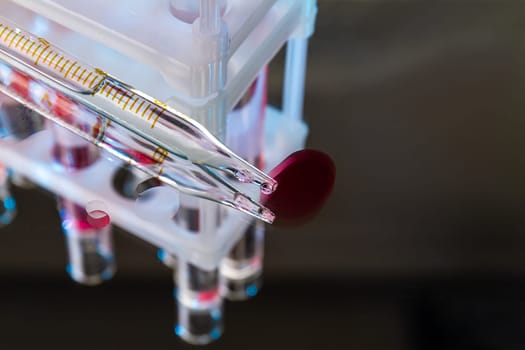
{"x": 201, "y": 58}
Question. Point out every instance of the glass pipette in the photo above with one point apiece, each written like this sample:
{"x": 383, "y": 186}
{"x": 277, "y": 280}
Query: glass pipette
{"x": 130, "y": 124}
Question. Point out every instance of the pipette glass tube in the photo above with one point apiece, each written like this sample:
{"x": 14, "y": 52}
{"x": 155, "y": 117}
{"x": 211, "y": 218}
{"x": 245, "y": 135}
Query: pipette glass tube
{"x": 241, "y": 270}
{"x": 185, "y": 155}
{"x": 89, "y": 241}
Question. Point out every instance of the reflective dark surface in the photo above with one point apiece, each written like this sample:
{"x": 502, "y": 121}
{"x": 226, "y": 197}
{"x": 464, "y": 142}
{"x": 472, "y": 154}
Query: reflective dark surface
{"x": 421, "y": 246}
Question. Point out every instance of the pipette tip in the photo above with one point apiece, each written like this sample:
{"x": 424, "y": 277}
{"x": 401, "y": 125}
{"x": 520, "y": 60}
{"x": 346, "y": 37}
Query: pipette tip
{"x": 247, "y": 205}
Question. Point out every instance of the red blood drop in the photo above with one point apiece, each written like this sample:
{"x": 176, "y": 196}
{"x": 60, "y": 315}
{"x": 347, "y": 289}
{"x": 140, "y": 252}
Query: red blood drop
{"x": 305, "y": 181}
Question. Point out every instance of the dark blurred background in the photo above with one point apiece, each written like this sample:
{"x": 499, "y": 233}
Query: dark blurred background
{"x": 421, "y": 245}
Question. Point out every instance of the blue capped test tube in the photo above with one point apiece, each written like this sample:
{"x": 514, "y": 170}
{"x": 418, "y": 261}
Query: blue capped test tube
{"x": 88, "y": 233}
{"x": 7, "y": 202}
{"x": 199, "y": 303}
{"x": 241, "y": 270}
{"x": 16, "y": 122}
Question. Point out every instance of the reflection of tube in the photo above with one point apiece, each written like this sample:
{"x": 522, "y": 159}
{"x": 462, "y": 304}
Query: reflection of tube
{"x": 241, "y": 270}
{"x": 91, "y": 258}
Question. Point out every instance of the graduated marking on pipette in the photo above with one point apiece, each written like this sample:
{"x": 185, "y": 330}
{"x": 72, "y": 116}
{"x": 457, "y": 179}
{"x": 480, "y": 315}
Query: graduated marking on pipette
{"x": 159, "y": 155}
{"x": 25, "y": 43}
{"x": 40, "y": 54}
{"x": 145, "y": 109}
{"x": 74, "y": 74}
{"x": 130, "y": 97}
{"x": 19, "y": 40}
{"x": 159, "y": 113}
{"x": 134, "y": 103}
{"x": 7, "y": 36}
{"x": 13, "y": 39}
{"x": 3, "y": 30}
{"x": 47, "y": 56}
{"x": 69, "y": 69}
{"x": 52, "y": 59}
{"x": 34, "y": 52}
{"x": 86, "y": 79}
{"x": 99, "y": 73}
{"x": 44, "y": 106}
{"x": 121, "y": 98}
{"x": 148, "y": 111}
{"x": 81, "y": 75}
{"x": 41, "y": 50}
{"x": 115, "y": 94}
{"x": 63, "y": 66}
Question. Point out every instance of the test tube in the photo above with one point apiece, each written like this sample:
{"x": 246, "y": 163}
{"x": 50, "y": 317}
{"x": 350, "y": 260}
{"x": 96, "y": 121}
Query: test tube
{"x": 18, "y": 122}
{"x": 241, "y": 270}
{"x": 7, "y": 202}
{"x": 168, "y": 260}
{"x": 294, "y": 79}
{"x": 89, "y": 240}
{"x": 188, "y": 10}
{"x": 90, "y": 249}
{"x": 199, "y": 302}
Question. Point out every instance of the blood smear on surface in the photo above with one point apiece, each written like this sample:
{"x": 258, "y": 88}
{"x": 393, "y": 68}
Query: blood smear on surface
{"x": 305, "y": 181}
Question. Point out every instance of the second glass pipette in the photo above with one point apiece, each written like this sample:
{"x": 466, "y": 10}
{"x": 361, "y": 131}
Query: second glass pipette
{"x": 170, "y": 139}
